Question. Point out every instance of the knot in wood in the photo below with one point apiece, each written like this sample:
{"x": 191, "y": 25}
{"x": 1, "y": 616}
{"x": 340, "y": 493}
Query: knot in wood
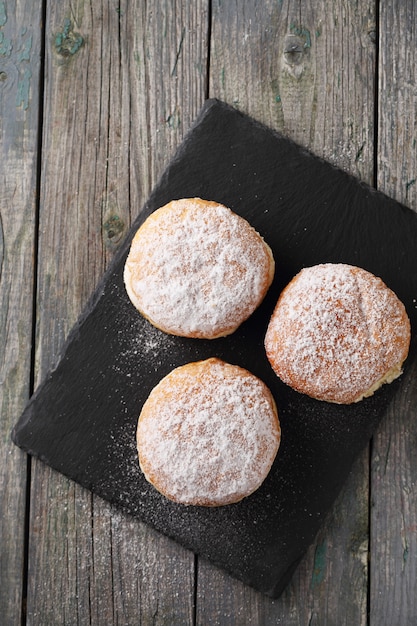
{"x": 68, "y": 42}
{"x": 294, "y": 48}
{"x": 114, "y": 228}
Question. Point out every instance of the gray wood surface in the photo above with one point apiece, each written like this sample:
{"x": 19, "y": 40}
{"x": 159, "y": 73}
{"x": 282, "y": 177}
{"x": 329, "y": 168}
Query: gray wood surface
{"x": 92, "y": 107}
{"x": 394, "y": 460}
{"x": 116, "y": 108}
{"x": 20, "y": 44}
{"x": 307, "y": 69}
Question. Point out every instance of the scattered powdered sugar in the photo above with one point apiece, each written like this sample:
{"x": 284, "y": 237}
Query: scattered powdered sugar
{"x": 336, "y": 331}
{"x": 208, "y": 433}
{"x": 197, "y": 268}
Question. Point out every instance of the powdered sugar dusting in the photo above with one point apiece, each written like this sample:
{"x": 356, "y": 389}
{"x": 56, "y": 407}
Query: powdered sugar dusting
{"x": 208, "y": 433}
{"x": 336, "y": 331}
{"x": 195, "y": 268}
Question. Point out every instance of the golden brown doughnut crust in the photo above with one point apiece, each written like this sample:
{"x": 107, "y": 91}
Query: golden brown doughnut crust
{"x": 337, "y": 333}
{"x": 197, "y": 269}
{"x": 208, "y": 434}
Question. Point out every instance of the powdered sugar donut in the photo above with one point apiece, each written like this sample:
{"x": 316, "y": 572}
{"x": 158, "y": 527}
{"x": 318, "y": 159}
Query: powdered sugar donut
{"x": 197, "y": 269}
{"x": 208, "y": 434}
{"x": 337, "y": 333}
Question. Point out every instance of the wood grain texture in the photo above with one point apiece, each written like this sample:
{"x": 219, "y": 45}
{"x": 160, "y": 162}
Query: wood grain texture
{"x": 304, "y": 68}
{"x": 394, "y": 464}
{"x": 308, "y": 70}
{"x": 393, "y": 513}
{"x": 123, "y": 83}
{"x": 20, "y": 48}
{"x": 120, "y": 90}
{"x": 324, "y": 590}
{"x": 397, "y": 101}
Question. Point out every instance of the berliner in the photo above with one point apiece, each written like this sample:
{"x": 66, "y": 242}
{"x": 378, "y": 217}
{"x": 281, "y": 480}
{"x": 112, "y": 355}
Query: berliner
{"x": 337, "y": 333}
{"x": 197, "y": 269}
{"x": 208, "y": 434}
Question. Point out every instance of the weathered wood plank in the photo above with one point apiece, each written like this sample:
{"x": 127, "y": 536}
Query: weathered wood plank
{"x": 123, "y": 82}
{"x": 308, "y": 70}
{"x": 397, "y": 101}
{"x": 222, "y": 600}
{"x": 393, "y": 550}
{"x": 20, "y": 45}
{"x": 305, "y": 68}
{"x": 394, "y": 465}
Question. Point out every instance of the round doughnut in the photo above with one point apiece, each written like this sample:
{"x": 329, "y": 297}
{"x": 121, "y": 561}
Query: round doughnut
{"x": 337, "y": 333}
{"x": 197, "y": 269}
{"x": 208, "y": 434}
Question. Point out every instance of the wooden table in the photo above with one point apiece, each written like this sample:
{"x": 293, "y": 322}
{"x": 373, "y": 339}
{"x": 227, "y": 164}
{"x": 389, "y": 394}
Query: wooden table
{"x": 95, "y": 97}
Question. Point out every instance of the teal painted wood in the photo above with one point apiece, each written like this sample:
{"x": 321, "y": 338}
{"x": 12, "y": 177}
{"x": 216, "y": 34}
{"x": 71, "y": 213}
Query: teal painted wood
{"x": 20, "y": 63}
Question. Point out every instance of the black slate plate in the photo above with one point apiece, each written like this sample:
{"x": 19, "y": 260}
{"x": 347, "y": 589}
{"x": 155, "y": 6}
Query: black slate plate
{"x": 82, "y": 419}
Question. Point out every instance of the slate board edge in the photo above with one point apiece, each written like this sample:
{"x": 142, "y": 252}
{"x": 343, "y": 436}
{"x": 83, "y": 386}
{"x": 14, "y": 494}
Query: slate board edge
{"x": 209, "y": 106}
